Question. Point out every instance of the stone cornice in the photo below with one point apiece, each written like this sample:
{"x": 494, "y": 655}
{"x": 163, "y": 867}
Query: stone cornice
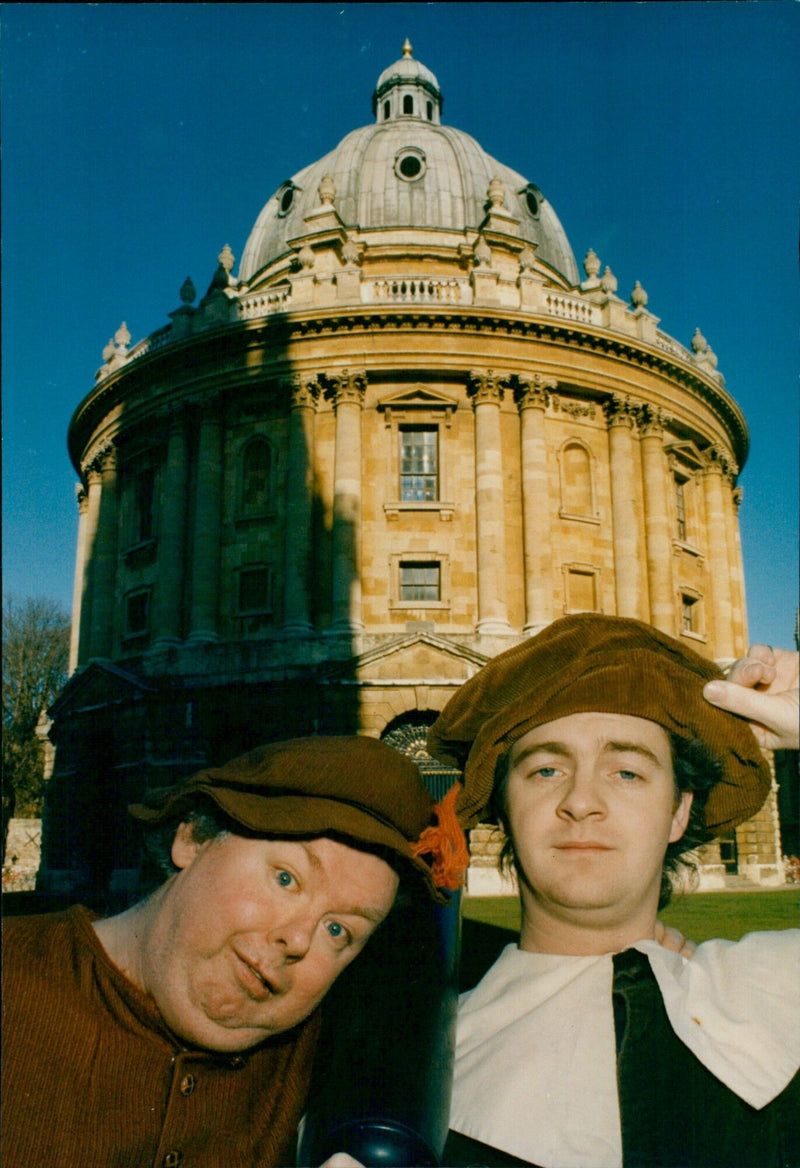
{"x": 208, "y": 367}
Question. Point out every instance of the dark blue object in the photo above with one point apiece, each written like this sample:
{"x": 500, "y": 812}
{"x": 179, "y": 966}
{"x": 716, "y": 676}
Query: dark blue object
{"x": 384, "y": 1069}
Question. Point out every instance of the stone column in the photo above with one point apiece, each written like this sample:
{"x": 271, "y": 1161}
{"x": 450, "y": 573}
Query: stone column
{"x": 80, "y": 582}
{"x": 104, "y": 559}
{"x": 207, "y": 529}
{"x": 487, "y": 394}
{"x": 532, "y": 400}
{"x": 347, "y": 392}
{"x": 629, "y": 558}
{"x": 719, "y": 561}
{"x": 171, "y": 537}
{"x": 299, "y": 505}
{"x": 94, "y": 487}
{"x": 658, "y": 538}
{"x": 738, "y": 596}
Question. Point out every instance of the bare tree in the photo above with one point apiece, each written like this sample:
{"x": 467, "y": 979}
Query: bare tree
{"x": 35, "y": 656}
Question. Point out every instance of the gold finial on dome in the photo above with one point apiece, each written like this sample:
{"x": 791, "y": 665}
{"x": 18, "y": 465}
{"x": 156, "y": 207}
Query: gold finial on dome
{"x": 407, "y": 50}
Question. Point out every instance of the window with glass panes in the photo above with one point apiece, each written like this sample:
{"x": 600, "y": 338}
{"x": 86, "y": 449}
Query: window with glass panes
{"x": 420, "y": 580}
{"x": 255, "y": 589}
{"x": 419, "y": 464}
{"x": 680, "y": 507}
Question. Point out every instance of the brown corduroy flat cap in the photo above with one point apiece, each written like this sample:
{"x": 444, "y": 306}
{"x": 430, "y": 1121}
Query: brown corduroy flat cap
{"x": 352, "y": 786}
{"x": 590, "y": 662}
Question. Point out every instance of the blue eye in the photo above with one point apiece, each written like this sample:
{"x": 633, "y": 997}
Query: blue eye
{"x": 628, "y": 774}
{"x": 285, "y": 879}
{"x": 546, "y": 772}
{"x": 336, "y": 931}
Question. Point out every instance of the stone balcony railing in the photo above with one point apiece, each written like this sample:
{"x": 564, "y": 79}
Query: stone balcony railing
{"x": 256, "y": 304}
{"x": 569, "y": 308}
{"x": 457, "y": 291}
{"x": 416, "y": 290}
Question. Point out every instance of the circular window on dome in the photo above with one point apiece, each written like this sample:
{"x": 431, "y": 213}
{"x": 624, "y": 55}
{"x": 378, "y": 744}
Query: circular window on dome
{"x": 409, "y": 164}
{"x": 285, "y": 197}
{"x": 532, "y": 197}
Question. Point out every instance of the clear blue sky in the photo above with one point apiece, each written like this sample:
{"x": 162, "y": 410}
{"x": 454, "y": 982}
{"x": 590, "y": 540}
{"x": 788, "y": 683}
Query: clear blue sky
{"x": 140, "y": 138}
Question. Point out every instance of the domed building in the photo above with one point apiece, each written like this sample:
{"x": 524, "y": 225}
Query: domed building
{"x": 407, "y": 434}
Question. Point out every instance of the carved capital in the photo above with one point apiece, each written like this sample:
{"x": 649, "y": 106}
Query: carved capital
{"x": 718, "y": 460}
{"x": 620, "y": 410}
{"x": 651, "y": 420}
{"x": 304, "y": 394}
{"x": 532, "y": 392}
{"x": 483, "y": 385}
{"x": 345, "y": 387}
{"x": 101, "y": 457}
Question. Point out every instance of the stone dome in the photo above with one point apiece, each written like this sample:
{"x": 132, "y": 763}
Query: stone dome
{"x": 407, "y": 170}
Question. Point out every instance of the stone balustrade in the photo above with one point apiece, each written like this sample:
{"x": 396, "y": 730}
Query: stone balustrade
{"x": 569, "y": 308}
{"x": 416, "y": 290}
{"x": 263, "y": 303}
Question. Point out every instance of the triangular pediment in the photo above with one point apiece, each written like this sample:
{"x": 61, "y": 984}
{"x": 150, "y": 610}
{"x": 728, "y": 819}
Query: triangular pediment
{"x": 96, "y": 686}
{"x": 419, "y": 658}
{"x": 418, "y": 397}
{"x": 687, "y": 453}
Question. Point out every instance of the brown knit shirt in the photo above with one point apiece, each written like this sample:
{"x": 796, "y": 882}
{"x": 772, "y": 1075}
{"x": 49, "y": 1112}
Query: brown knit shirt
{"x": 91, "y": 1075}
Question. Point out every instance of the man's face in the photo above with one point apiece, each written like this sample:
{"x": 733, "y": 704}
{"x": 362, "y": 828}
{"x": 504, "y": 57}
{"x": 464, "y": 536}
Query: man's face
{"x": 253, "y": 932}
{"x": 591, "y": 807}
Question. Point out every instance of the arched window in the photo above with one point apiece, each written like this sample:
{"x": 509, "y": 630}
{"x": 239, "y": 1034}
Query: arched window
{"x": 408, "y": 104}
{"x": 385, "y": 110}
{"x": 429, "y": 108}
{"x": 576, "y": 480}
{"x": 256, "y": 476}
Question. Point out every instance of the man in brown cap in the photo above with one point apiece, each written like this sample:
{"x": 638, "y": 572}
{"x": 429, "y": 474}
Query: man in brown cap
{"x": 182, "y": 1031}
{"x": 589, "y": 1045}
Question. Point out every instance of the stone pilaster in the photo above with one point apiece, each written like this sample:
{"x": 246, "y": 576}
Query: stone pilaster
{"x": 207, "y": 529}
{"x": 80, "y": 581}
{"x": 738, "y": 595}
{"x": 717, "y": 462}
{"x": 94, "y": 488}
{"x": 658, "y": 539}
{"x": 104, "y": 559}
{"x": 347, "y": 391}
{"x": 629, "y": 577}
{"x": 299, "y": 504}
{"x": 487, "y": 395}
{"x": 171, "y": 537}
{"x": 532, "y": 396}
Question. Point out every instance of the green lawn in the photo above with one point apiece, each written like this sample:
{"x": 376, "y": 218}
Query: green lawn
{"x": 698, "y": 915}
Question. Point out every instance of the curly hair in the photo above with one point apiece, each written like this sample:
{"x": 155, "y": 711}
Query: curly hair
{"x": 695, "y": 768}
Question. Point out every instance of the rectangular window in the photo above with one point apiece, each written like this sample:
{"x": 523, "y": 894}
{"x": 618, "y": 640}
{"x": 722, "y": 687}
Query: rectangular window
{"x": 420, "y": 581}
{"x": 255, "y": 590}
{"x": 690, "y": 613}
{"x": 581, "y": 591}
{"x": 137, "y": 614}
{"x": 419, "y": 464}
{"x": 144, "y": 489}
{"x": 680, "y": 508}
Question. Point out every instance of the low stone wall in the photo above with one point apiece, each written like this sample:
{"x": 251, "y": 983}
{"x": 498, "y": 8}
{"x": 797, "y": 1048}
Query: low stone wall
{"x": 23, "y": 853}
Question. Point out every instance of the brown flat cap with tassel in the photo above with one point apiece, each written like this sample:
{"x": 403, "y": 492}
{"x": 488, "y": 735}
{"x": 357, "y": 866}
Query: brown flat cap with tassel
{"x": 347, "y": 785}
{"x": 590, "y": 662}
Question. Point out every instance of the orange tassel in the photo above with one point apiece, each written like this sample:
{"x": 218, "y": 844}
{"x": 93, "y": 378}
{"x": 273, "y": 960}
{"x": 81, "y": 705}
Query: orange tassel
{"x": 446, "y": 843}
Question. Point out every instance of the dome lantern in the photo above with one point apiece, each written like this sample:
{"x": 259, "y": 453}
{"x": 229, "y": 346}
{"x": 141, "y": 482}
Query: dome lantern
{"x": 407, "y": 89}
